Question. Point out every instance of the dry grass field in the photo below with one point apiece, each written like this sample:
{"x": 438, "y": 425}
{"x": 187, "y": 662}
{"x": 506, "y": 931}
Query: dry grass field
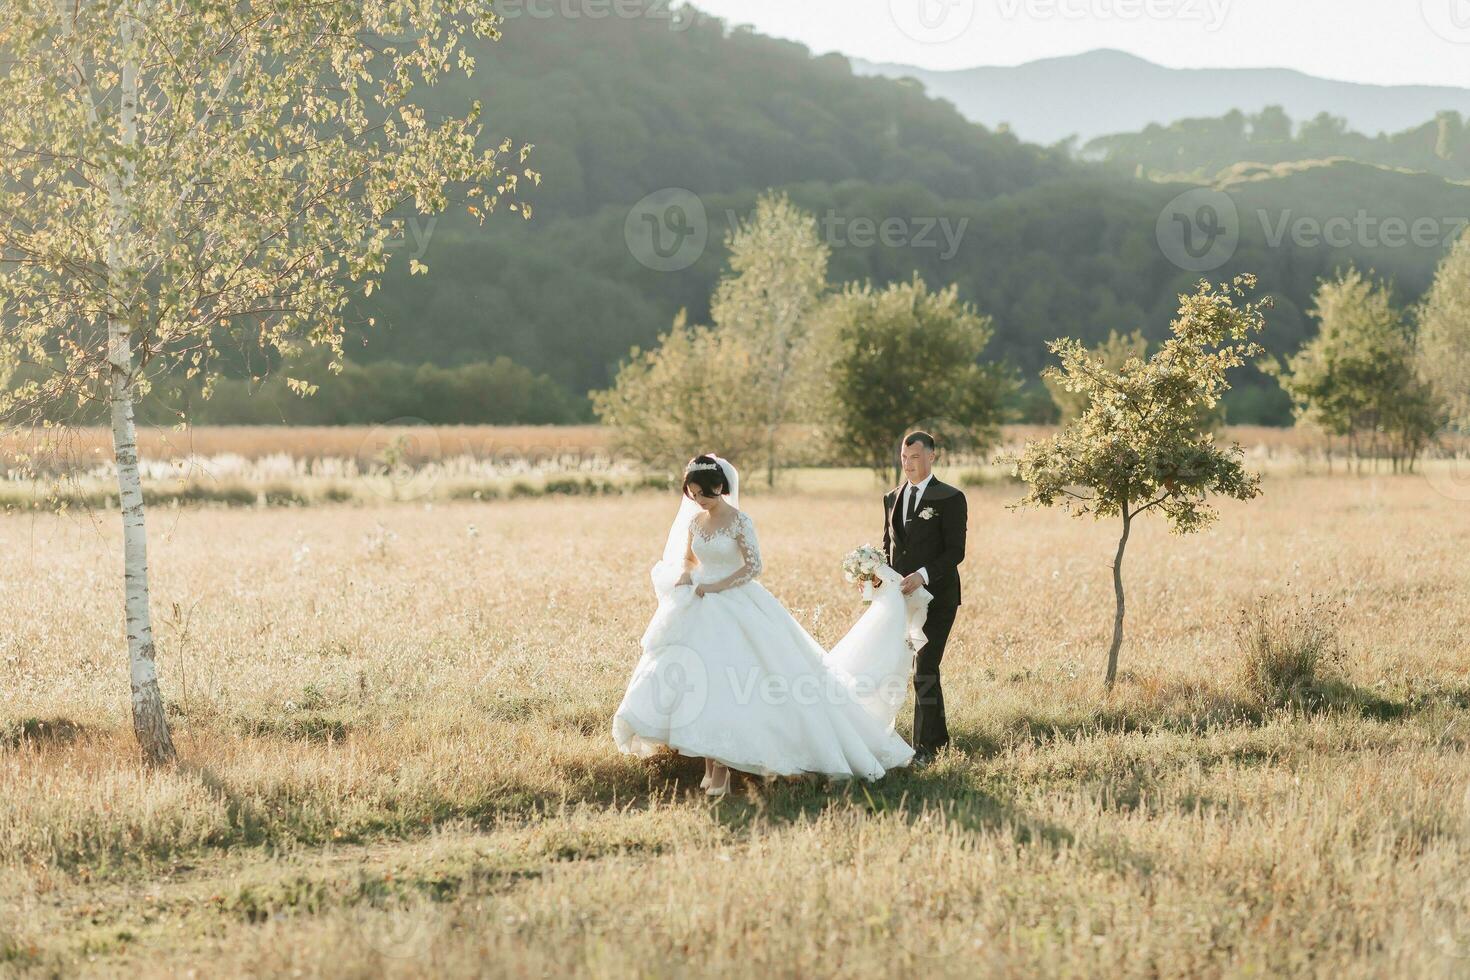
{"x": 393, "y": 722}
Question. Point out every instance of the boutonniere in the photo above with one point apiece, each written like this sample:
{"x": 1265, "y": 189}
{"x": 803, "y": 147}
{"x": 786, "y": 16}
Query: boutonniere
{"x": 926, "y": 513}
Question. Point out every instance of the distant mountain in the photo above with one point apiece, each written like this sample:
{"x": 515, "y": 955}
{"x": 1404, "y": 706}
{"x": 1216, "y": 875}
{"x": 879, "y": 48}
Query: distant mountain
{"x": 1106, "y": 91}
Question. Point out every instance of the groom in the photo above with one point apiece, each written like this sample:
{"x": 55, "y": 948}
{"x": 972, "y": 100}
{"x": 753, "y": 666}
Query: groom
{"x": 924, "y": 539}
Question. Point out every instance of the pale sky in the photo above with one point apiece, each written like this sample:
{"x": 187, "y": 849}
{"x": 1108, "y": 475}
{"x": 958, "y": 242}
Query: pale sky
{"x": 1387, "y": 42}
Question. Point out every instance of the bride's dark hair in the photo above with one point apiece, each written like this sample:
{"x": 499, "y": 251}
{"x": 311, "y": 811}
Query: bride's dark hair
{"x": 710, "y": 479}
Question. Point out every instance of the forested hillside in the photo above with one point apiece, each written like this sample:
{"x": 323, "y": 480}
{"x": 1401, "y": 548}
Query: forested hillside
{"x": 1076, "y": 257}
{"x": 1203, "y": 147}
{"x": 619, "y": 108}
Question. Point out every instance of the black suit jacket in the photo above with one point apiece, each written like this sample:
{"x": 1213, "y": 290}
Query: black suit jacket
{"x": 936, "y": 543}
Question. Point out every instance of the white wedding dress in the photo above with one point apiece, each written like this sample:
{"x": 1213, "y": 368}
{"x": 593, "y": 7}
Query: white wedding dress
{"x": 732, "y": 677}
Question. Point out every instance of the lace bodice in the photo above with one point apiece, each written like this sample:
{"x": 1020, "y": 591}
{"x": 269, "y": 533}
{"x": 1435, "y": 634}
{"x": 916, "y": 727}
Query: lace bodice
{"x": 728, "y": 555}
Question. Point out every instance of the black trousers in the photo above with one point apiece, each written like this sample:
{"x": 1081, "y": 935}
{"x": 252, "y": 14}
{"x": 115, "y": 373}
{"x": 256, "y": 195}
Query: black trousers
{"x": 931, "y": 733}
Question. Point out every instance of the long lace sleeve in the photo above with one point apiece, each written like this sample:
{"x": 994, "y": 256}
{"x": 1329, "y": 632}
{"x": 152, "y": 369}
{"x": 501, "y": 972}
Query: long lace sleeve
{"x": 750, "y": 551}
{"x": 689, "y": 560}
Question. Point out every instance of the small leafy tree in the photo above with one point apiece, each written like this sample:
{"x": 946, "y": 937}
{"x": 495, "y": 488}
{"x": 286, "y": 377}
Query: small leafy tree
{"x": 687, "y": 395}
{"x": 1444, "y": 334}
{"x": 1359, "y": 377}
{"x": 732, "y": 386}
{"x": 182, "y": 176}
{"x": 1111, "y": 355}
{"x": 1411, "y": 419}
{"x": 778, "y": 273}
{"x": 904, "y": 354}
{"x": 1138, "y": 446}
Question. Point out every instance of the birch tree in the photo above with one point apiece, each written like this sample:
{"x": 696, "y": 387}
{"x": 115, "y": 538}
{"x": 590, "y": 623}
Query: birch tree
{"x": 777, "y": 276}
{"x": 186, "y": 176}
{"x": 1138, "y": 446}
{"x": 1444, "y": 334}
{"x": 733, "y": 385}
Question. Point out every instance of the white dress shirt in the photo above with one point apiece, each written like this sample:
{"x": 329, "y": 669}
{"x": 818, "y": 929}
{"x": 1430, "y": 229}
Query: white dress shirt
{"x": 903, "y": 502}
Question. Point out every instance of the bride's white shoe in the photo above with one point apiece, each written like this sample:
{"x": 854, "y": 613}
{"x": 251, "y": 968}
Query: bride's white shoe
{"x": 721, "y": 789}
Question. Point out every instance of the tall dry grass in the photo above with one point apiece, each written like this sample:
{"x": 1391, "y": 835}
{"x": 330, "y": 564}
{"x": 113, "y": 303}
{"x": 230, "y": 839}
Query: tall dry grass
{"x": 84, "y": 447}
{"x": 311, "y": 442}
{"x": 393, "y": 723}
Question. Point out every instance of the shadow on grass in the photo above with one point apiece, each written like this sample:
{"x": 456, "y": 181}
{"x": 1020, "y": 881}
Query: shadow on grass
{"x": 945, "y": 788}
{"x": 1196, "y": 710}
{"x": 39, "y": 732}
{"x": 1178, "y": 708}
{"x": 257, "y": 817}
{"x": 951, "y": 789}
{"x": 1335, "y": 695}
{"x": 941, "y": 790}
{"x": 297, "y": 728}
{"x": 250, "y": 823}
{"x": 1181, "y": 708}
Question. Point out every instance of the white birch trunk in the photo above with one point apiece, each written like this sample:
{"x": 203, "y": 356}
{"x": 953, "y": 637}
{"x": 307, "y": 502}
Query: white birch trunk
{"x": 150, "y": 724}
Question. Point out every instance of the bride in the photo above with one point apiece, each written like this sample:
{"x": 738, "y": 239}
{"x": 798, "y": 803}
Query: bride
{"x": 729, "y": 676}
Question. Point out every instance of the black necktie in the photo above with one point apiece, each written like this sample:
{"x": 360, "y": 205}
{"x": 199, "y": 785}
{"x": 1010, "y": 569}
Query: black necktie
{"x": 913, "y": 505}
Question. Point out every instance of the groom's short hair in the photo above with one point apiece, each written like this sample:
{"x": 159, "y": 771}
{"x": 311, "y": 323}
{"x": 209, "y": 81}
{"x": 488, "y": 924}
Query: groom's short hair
{"x": 920, "y": 435}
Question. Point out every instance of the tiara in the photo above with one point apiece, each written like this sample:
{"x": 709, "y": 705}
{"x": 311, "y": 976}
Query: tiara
{"x": 696, "y": 467}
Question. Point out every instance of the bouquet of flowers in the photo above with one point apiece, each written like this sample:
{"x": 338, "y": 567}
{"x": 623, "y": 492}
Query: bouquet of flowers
{"x": 861, "y": 566}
